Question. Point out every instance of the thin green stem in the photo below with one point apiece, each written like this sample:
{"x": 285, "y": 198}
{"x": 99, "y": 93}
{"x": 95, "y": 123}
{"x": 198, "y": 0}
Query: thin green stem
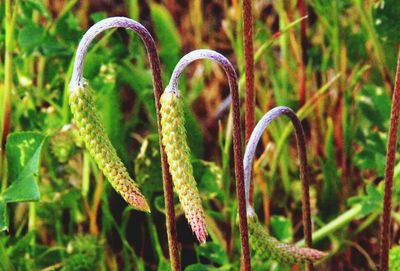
{"x": 32, "y": 222}
{"x": 335, "y": 224}
{"x": 8, "y": 73}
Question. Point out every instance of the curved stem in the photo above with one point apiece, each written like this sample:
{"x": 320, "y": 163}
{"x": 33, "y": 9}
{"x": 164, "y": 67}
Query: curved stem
{"x": 237, "y": 142}
{"x": 78, "y": 81}
{"x": 302, "y": 155}
{"x": 389, "y": 171}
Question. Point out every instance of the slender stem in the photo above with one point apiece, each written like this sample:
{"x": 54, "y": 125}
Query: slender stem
{"x": 237, "y": 142}
{"x": 32, "y": 222}
{"x": 335, "y": 224}
{"x": 77, "y": 80}
{"x": 249, "y": 72}
{"x": 249, "y": 67}
{"x": 302, "y": 155}
{"x": 5, "y": 110}
{"x": 389, "y": 170}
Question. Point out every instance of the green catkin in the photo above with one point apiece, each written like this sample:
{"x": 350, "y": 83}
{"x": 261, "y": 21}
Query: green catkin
{"x": 178, "y": 155}
{"x": 267, "y": 247}
{"x": 100, "y": 148}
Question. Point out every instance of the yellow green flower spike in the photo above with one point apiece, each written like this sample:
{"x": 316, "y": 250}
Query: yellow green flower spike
{"x": 267, "y": 247}
{"x": 178, "y": 154}
{"x": 100, "y": 148}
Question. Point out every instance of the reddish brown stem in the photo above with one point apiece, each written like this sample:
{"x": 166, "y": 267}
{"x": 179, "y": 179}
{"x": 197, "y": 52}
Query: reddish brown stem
{"x": 237, "y": 142}
{"x": 389, "y": 170}
{"x": 249, "y": 66}
{"x": 302, "y": 155}
{"x": 249, "y": 72}
{"x": 77, "y": 79}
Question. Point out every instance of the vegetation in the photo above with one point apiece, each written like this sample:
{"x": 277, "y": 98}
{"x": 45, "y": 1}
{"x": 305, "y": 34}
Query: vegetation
{"x": 332, "y": 62}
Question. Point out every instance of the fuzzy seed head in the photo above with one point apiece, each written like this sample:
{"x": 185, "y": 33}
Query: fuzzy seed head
{"x": 100, "y": 148}
{"x": 267, "y": 247}
{"x": 178, "y": 155}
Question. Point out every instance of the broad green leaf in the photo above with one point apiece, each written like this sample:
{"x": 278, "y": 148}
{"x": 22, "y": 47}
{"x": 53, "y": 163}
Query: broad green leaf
{"x": 30, "y": 37}
{"x": 51, "y": 47}
{"x": 23, "y": 156}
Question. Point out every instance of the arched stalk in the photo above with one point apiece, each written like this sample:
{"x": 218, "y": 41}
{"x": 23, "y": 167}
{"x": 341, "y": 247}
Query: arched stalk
{"x": 301, "y": 146}
{"x": 77, "y": 82}
{"x": 237, "y": 142}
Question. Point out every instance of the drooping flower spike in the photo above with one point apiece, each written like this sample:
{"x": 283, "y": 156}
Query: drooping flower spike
{"x": 88, "y": 122}
{"x": 264, "y": 244}
{"x": 178, "y": 154}
{"x": 174, "y": 140}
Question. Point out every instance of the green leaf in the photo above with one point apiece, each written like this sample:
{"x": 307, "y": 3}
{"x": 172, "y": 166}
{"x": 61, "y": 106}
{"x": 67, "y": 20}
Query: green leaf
{"x": 374, "y": 103}
{"x": 213, "y": 252}
{"x": 30, "y": 37}
{"x": 98, "y": 16}
{"x": 23, "y": 155}
{"x": 28, "y": 6}
{"x": 394, "y": 258}
{"x": 371, "y": 202}
{"x": 167, "y": 35}
{"x": 281, "y": 228}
